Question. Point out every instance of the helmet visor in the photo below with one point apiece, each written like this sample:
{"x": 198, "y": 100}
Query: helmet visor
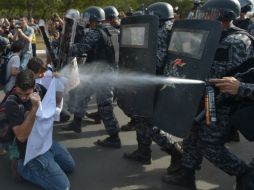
{"x": 210, "y": 14}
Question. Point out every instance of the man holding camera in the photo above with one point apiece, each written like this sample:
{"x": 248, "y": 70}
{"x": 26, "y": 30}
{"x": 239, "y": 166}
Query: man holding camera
{"x": 24, "y": 33}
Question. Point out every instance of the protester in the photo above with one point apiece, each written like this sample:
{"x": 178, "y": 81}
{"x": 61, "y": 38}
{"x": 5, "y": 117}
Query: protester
{"x": 44, "y": 75}
{"x": 46, "y": 170}
{"x": 35, "y": 27}
{"x": 24, "y": 33}
{"x": 13, "y": 65}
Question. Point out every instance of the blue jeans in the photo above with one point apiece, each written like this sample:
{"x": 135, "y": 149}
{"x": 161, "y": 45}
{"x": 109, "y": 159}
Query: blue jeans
{"x": 24, "y": 60}
{"x": 48, "y": 170}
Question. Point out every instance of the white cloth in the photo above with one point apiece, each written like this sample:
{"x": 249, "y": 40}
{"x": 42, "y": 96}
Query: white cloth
{"x": 60, "y": 85}
{"x": 58, "y": 111}
{"x": 40, "y": 138}
{"x": 47, "y": 78}
{"x": 71, "y": 73}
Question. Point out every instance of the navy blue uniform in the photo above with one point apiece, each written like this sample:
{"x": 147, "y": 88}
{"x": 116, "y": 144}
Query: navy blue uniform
{"x": 208, "y": 140}
{"x": 94, "y": 45}
{"x": 145, "y": 131}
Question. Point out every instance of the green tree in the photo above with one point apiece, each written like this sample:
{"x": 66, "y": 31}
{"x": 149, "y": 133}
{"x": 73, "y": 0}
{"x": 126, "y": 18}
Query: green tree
{"x": 45, "y": 8}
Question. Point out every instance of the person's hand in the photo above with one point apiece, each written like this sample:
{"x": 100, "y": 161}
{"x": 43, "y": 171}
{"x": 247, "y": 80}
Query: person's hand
{"x": 41, "y": 75}
{"x": 19, "y": 30}
{"x": 10, "y": 35}
{"x": 228, "y": 85}
{"x": 57, "y": 15}
{"x": 56, "y": 74}
{"x": 71, "y": 45}
{"x": 35, "y": 99}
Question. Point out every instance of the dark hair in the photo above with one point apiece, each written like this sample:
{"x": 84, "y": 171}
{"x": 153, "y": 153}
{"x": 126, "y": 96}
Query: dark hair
{"x": 23, "y": 17}
{"x": 25, "y": 79}
{"x": 35, "y": 64}
{"x": 17, "y": 46}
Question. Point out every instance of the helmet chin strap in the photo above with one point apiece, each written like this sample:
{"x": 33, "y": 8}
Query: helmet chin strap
{"x": 226, "y": 24}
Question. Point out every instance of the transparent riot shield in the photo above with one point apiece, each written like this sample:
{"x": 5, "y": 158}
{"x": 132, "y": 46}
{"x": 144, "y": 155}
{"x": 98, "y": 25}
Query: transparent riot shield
{"x": 70, "y": 23}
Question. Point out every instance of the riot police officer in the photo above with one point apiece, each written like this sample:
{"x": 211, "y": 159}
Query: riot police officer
{"x": 145, "y": 131}
{"x": 244, "y": 22}
{"x": 165, "y": 14}
{"x": 95, "y": 44}
{"x": 247, "y": 24}
{"x": 241, "y": 86}
{"x": 208, "y": 140}
{"x": 112, "y": 14}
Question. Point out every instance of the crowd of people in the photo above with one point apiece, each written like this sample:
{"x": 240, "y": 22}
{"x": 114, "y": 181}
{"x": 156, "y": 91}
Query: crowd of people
{"x": 28, "y": 79}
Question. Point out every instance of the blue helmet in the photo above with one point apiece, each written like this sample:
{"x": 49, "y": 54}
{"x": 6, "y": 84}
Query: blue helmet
{"x": 72, "y": 14}
{"x": 227, "y": 9}
{"x": 94, "y": 13}
{"x": 111, "y": 12}
{"x": 162, "y": 9}
{"x": 246, "y": 5}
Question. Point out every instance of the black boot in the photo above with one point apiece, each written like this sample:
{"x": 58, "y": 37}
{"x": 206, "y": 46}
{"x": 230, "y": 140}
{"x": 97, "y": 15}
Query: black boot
{"x": 75, "y": 125}
{"x": 245, "y": 181}
{"x": 184, "y": 177}
{"x": 235, "y": 136}
{"x": 94, "y": 116}
{"x": 112, "y": 141}
{"x": 142, "y": 155}
{"x": 130, "y": 126}
{"x": 176, "y": 156}
{"x": 64, "y": 116}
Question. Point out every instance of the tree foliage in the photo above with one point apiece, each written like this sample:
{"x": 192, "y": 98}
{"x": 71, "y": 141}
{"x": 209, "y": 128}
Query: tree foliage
{"x": 45, "y": 8}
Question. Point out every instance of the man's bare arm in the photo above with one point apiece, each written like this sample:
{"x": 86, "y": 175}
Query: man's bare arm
{"x": 23, "y": 131}
{"x": 24, "y": 36}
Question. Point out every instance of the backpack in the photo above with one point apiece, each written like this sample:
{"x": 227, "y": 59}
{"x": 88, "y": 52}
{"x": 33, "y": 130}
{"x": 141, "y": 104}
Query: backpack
{"x": 4, "y": 60}
{"x": 241, "y": 117}
{"x": 249, "y": 63}
{"x": 6, "y": 136}
{"x": 110, "y": 37}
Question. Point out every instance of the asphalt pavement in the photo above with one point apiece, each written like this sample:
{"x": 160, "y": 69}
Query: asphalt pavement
{"x": 100, "y": 168}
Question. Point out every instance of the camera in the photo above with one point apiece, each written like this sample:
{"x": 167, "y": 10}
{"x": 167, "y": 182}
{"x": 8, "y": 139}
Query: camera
{"x": 17, "y": 25}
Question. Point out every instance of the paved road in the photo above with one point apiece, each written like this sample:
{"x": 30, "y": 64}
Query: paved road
{"x": 105, "y": 169}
